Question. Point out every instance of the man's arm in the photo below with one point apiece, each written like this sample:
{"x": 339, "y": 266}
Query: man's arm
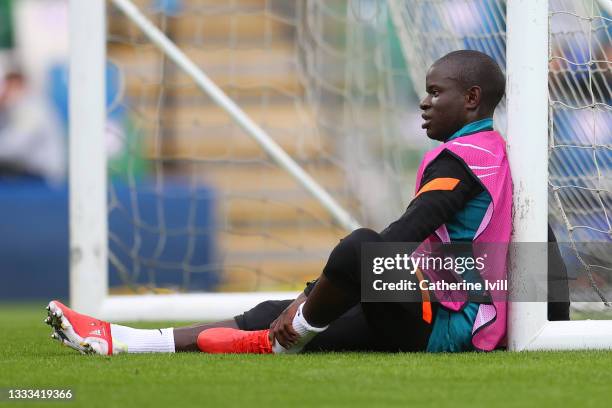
{"x": 434, "y": 207}
{"x": 281, "y": 328}
{"x": 447, "y": 185}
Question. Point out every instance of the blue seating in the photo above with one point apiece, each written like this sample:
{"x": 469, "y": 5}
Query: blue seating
{"x": 34, "y": 238}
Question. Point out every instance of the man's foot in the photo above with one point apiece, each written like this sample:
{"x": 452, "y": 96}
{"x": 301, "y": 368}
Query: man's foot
{"x": 78, "y": 331}
{"x": 234, "y": 341}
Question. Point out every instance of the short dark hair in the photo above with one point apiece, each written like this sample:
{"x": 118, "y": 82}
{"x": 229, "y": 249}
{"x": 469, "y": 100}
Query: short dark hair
{"x": 474, "y": 68}
{"x": 14, "y": 76}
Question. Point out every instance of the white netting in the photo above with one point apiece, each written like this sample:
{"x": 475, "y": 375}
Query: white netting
{"x": 195, "y": 203}
{"x": 332, "y": 83}
{"x": 581, "y": 140}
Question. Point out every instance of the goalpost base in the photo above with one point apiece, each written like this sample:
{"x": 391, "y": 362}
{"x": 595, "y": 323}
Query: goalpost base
{"x": 572, "y": 335}
{"x": 184, "y": 307}
{"x": 566, "y": 335}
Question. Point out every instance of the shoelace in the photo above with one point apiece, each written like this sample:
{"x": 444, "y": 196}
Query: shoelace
{"x": 258, "y": 343}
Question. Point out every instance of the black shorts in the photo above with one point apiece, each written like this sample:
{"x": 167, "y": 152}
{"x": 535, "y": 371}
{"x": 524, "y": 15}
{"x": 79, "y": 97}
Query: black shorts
{"x": 364, "y": 327}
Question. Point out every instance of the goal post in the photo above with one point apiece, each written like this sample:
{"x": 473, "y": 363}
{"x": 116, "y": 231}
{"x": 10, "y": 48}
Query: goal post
{"x": 527, "y": 54}
{"x": 527, "y": 110}
{"x": 87, "y": 157}
{"x": 364, "y": 101}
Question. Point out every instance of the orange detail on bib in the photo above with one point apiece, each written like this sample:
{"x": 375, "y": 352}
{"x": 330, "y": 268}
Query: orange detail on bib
{"x": 440, "y": 184}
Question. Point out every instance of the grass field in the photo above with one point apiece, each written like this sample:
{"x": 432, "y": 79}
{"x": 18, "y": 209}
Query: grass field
{"x": 30, "y": 359}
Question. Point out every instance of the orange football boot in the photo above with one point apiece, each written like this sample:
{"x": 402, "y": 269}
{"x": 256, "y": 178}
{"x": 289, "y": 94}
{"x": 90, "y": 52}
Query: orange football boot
{"x": 234, "y": 341}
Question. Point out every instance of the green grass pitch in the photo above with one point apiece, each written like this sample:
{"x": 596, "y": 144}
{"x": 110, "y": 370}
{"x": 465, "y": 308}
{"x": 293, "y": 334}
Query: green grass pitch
{"x": 30, "y": 359}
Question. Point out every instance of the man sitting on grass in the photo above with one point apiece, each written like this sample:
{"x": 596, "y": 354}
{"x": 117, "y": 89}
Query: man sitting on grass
{"x": 464, "y": 194}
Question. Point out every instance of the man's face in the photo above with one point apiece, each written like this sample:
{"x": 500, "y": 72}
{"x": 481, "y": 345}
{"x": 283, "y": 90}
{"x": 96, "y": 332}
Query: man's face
{"x": 444, "y": 106}
{"x": 10, "y": 90}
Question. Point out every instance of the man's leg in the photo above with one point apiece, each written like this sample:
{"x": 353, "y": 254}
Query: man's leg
{"x": 394, "y": 326}
{"x": 350, "y": 332}
{"x": 93, "y": 336}
{"x": 186, "y": 338}
{"x": 337, "y": 290}
{"x": 339, "y": 287}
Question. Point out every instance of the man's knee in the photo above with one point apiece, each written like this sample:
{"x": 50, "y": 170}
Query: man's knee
{"x": 349, "y": 247}
{"x": 262, "y": 315}
{"x": 343, "y": 266}
{"x": 362, "y": 235}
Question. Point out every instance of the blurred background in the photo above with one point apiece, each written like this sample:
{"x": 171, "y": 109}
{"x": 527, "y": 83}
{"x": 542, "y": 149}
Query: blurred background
{"x": 196, "y": 205}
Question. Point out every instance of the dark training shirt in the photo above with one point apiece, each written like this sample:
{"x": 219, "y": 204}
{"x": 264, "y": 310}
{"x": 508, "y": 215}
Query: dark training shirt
{"x": 430, "y": 210}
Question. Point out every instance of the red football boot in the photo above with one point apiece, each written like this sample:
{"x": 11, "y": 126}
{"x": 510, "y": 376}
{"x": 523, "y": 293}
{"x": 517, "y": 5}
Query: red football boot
{"x": 83, "y": 333}
{"x": 233, "y": 341}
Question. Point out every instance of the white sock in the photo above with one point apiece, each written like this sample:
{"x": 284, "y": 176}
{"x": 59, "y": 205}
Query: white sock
{"x": 303, "y": 329}
{"x": 129, "y": 340}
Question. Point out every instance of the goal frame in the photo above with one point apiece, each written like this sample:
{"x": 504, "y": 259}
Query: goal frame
{"x": 527, "y": 94}
{"x": 527, "y": 53}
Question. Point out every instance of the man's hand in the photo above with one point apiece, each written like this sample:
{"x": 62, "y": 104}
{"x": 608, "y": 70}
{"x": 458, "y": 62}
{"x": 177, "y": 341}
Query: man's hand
{"x": 281, "y": 329}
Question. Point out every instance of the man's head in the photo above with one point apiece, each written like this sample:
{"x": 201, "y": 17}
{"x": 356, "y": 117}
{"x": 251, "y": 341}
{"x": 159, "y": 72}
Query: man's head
{"x": 462, "y": 87}
{"x": 11, "y": 87}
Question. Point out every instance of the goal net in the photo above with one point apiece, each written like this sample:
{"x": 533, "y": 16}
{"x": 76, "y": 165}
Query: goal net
{"x": 195, "y": 204}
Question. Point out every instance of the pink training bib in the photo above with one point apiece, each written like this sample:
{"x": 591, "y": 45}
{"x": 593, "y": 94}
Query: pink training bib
{"x": 485, "y": 154}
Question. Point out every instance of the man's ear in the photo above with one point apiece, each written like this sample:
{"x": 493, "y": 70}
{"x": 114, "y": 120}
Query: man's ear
{"x": 473, "y": 97}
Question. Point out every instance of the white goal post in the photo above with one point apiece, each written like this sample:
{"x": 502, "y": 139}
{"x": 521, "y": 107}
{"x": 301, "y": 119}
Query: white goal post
{"x": 527, "y": 101}
{"x": 527, "y": 96}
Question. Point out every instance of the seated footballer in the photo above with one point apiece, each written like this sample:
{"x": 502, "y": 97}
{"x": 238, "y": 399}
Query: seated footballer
{"x": 464, "y": 194}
